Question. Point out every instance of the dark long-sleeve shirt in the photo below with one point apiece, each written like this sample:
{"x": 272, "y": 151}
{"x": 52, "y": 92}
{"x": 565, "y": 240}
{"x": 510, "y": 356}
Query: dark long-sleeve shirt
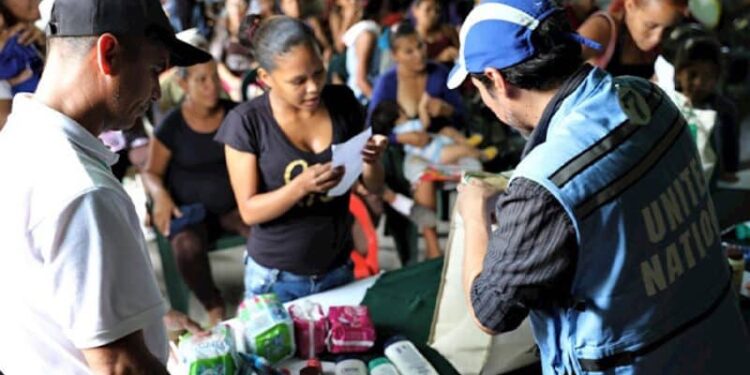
{"x": 530, "y": 261}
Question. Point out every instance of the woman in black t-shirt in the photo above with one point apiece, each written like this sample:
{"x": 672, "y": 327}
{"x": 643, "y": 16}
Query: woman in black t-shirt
{"x": 187, "y": 179}
{"x": 278, "y": 149}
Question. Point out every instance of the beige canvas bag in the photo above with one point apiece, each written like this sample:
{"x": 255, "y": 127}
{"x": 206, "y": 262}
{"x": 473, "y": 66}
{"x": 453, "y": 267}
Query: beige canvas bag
{"x": 454, "y": 333}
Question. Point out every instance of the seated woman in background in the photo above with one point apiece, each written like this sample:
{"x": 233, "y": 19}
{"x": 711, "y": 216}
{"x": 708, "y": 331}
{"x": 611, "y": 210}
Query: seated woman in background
{"x": 415, "y": 79}
{"x": 440, "y": 39}
{"x": 412, "y": 83}
{"x": 278, "y": 149}
{"x": 186, "y": 177}
{"x": 444, "y": 148}
{"x": 631, "y": 33}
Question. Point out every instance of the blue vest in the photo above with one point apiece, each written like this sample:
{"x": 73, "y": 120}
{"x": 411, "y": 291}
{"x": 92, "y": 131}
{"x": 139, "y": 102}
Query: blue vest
{"x": 651, "y": 290}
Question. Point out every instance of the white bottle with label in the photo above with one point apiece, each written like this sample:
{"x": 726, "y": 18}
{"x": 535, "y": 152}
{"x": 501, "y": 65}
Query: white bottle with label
{"x": 382, "y": 366}
{"x": 407, "y": 358}
{"x": 351, "y": 367}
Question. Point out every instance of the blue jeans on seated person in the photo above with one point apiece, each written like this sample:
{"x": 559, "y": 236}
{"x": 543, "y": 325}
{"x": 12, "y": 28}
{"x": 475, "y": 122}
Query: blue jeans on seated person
{"x": 289, "y": 286}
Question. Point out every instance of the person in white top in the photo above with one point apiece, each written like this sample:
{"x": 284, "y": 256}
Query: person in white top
{"x": 78, "y": 291}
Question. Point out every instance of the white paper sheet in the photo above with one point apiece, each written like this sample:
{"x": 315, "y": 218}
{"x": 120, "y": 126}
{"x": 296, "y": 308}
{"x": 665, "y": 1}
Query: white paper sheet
{"x": 349, "y": 155}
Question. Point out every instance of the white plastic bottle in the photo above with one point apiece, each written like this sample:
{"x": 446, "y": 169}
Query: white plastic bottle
{"x": 351, "y": 367}
{"x": 407, "y": 358}
{"x": 382, "y": 366}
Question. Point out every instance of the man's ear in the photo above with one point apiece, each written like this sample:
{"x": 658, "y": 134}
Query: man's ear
{"x": 499, "y": 84}
{"x": 109, "y": 54}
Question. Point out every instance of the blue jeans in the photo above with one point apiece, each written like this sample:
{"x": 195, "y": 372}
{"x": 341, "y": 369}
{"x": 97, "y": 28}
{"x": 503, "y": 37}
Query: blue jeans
{"x": 289, "y": 286}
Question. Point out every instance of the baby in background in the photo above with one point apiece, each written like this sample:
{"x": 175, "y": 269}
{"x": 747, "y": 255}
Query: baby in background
{"x": 447, "y": 147}
{"x": 20, "y": 65}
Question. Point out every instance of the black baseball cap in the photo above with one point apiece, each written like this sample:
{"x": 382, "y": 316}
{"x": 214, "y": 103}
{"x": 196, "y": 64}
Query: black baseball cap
{"x": 122, "y": 17}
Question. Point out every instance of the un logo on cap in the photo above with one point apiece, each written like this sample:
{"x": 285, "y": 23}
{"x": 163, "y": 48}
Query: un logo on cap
{"x": 634, "y": 105}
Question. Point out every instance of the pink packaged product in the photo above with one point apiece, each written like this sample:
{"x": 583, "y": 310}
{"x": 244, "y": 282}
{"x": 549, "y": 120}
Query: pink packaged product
{"x": 351, "y": 329}
{"x": 310, "y": 328}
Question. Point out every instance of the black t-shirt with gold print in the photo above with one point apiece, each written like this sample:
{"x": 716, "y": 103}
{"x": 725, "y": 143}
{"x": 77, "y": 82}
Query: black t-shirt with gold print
{"x": 315, "y": 235}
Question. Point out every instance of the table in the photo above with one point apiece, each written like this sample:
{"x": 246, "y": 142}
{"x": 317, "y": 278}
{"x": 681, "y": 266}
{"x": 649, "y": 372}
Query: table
{"x": 418, "y": 284}
{"x": 732, "y": 200}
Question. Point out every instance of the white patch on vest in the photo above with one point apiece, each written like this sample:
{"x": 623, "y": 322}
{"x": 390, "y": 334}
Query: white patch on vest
{"x": 673, "y": 207}
{"x": 634, "y": 105}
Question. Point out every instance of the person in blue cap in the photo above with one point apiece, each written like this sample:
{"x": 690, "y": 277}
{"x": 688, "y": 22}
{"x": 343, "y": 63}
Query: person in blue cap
{"x": 606, "y": 235}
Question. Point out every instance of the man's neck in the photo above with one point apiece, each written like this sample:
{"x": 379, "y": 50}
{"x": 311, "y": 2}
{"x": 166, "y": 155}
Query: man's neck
{"x": 531, "y": 106}
{"x": 54, "y": 91}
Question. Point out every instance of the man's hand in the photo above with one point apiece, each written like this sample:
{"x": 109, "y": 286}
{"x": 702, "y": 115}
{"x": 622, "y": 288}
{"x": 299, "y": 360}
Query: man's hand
{"x": 476, "y": 200}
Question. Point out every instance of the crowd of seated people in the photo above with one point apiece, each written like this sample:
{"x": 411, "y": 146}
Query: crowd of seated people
{"x": 313, "y": 73}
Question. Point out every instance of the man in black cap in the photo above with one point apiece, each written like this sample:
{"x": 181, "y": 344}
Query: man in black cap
{"x": 78, "y": 290}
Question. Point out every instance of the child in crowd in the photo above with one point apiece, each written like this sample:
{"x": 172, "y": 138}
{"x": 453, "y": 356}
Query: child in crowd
{"x": 20, "y": 65}
{"x": 446, "y": 147}
{"x": 441, "y": 40}
{"x": 697, "y": 69}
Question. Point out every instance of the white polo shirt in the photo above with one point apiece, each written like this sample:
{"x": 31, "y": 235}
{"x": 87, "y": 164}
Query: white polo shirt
{"x": 74, "y": 267}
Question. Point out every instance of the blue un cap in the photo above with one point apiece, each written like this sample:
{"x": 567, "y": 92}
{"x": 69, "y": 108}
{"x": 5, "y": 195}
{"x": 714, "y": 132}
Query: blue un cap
{"x": 497, "y": 34}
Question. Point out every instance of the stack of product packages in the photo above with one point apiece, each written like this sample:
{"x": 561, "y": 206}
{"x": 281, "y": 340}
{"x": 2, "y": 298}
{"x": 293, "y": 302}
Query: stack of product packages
{"x": 266, "y": 334}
